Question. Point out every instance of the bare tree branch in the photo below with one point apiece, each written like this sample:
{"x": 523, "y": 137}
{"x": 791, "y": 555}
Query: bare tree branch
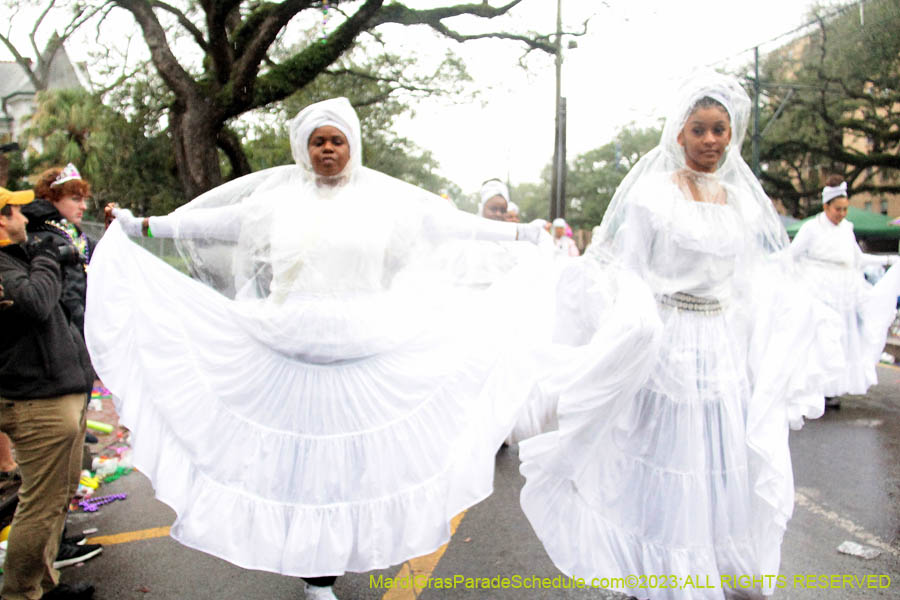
{"x": 179, "y": 80}
{"x": 247, "y": 66}
{"x": 184, "y": 22}
{"x": 21, "y": 61}
{"x": 400, "y": 14}
{"x": 37, "y": 24}
{"x": 302, "y": 68}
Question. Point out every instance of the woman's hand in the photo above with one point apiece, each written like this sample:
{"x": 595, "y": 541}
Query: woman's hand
{"x": 108, "y": 216}
{"x": 131, "y": 225}
{"x": 530, "y": 232}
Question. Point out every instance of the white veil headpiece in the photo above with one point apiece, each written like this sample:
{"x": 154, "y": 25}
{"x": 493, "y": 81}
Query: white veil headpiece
{"x": 250, "y": 201}
{"x": 288, "y": 217}
{"x": 667, "y": 158}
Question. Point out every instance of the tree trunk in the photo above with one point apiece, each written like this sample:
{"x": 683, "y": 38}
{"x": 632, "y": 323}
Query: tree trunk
{"x": 194, "y": 132}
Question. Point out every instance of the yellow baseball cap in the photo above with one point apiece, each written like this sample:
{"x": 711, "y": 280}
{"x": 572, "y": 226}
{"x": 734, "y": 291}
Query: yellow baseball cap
{"x": 8, "y": 197}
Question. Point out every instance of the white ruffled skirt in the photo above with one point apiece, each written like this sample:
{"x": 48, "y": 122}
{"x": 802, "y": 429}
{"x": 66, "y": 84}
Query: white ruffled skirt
{"x": 669, "y": 461}
{"x": 866, "y": 313}
{"x": 325, "y": 435}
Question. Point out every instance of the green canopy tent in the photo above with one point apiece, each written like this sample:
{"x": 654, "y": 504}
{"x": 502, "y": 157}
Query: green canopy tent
{"x": 866, "y": 225}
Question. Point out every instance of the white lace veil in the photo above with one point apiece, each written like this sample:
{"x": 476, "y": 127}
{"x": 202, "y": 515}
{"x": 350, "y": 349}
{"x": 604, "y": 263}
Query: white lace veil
{"x": 668, "y": 157}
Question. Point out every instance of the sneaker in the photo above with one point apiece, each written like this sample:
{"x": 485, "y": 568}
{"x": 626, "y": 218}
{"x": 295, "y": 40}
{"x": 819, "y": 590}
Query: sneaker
{"x": 315, "y": 592}
{"x": 64, "y": 591}
{"x": 75, "y": 540}
{"x": 72, "y": 555}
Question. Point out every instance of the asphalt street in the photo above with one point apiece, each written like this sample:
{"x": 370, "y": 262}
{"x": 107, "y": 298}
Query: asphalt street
{"x": 847, "y": 478}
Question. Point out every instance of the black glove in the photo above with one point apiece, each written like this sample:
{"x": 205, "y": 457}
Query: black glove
{"x": 45, "y": 247}
{"x": 4, "y": 303}
{"x": 68, "y": 254}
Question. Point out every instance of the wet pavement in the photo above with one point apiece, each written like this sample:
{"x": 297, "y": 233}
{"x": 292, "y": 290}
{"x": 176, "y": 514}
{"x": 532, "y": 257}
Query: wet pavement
{"x": 847, "y": 478}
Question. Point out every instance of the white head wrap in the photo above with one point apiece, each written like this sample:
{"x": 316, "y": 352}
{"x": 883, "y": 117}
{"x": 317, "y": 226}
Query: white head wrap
{"x": 559, "y": 222}
{"x": 491, "y": 188}
{"x": 830, "y": 192}
{"x": 336, "y": 112}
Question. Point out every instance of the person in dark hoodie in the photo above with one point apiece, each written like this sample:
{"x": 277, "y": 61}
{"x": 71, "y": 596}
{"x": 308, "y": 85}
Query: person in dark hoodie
{"x": 61, "y": 199}
{"x": 45, "y": 379}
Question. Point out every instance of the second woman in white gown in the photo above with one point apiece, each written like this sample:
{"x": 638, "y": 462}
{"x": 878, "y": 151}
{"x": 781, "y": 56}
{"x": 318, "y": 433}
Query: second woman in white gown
{"x": 690, "y": 355}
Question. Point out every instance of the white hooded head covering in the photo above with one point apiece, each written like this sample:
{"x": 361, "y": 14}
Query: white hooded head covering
{"x": 765, "y": 228}
{"x": 336, "y": 112}
{"x": 287, "y": 221}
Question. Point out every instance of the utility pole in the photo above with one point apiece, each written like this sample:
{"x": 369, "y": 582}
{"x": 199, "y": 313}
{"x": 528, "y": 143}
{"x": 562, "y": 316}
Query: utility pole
{"x": 558, "y": 178}
{"x": 756, "y": 135}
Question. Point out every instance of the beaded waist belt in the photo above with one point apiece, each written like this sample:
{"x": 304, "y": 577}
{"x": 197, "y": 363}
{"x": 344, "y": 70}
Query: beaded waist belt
{"x": 683, "y": 301}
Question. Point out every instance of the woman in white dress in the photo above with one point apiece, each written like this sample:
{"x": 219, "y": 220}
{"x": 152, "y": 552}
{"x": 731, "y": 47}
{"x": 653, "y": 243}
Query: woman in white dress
{"x": 328, "y": 399}
{"x": 832, "y": 266}
{"x": 689, "y": 355}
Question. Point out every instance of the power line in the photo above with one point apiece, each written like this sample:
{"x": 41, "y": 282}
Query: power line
{"x": 835, "y": 12}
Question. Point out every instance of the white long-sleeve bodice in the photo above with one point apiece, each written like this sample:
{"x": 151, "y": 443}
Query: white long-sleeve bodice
{"x": 679, "y": 245}
{"x": 821, "y": 240}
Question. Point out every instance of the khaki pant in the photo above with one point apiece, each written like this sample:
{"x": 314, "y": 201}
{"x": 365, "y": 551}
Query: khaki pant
{"x": 48, "y": 435}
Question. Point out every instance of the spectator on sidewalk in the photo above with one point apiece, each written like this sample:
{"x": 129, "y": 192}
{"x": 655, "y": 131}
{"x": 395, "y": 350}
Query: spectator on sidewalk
{"x": 60, "y": 201}
{"x": 45, "y": 378}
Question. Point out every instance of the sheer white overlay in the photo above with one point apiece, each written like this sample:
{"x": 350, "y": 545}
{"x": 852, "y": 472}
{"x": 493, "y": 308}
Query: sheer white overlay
{"x": 317, "y": 399}
{"x": 692, "y": 354}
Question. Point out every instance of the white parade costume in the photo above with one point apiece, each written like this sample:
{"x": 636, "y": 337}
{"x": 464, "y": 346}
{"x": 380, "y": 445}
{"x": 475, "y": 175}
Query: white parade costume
{"x": 330, "y": 405}
{"x": 831, "y": 265}
{"x": 691, "y": 354}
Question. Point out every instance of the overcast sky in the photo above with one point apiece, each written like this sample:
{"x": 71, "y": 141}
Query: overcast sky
{"x": 621, "y": 72}
{"x": 635, "y": 52}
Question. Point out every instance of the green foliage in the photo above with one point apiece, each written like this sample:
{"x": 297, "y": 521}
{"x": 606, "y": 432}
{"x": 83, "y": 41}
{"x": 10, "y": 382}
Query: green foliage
{"x": 839, "y": 88}
{"x": 533, "y": 198}
{"x": 122, "y": 159}
{"x": 595, "y": 175}
{"x": 591, "y": 180}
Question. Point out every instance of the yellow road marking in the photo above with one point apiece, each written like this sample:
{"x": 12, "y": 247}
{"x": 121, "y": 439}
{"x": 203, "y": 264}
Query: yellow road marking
{"x": 418, "y": 570}
{"x": 130, "y": 536}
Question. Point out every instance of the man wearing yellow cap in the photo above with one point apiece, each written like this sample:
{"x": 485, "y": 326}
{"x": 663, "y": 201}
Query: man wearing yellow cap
{"x": 45, "y": 379}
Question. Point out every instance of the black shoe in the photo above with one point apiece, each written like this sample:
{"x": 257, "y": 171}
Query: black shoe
{"x": 72, "y": 555}
{"x": 78, "y": 591}
{"x": 90, "y": 438}
{"x": 831, "y": 402}
{"x": 75, "y": 540}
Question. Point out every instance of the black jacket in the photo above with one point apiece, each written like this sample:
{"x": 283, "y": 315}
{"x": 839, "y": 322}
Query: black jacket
{"x": 42, "y": 353}
{"x": 41, "y": 214}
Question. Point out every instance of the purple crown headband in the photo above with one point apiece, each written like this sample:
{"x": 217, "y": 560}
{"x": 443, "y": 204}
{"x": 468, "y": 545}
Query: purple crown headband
{"x": 68, "y": 173}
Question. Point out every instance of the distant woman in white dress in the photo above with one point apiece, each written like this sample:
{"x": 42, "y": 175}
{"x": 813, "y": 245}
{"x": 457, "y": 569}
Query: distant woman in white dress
{"x": 688, "y": 355}
{"x": 832, "y": 266}
{"x": 322, "y": 404}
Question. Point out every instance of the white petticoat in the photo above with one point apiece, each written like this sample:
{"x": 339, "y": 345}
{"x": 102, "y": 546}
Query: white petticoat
{"x": 334, "y": 434}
